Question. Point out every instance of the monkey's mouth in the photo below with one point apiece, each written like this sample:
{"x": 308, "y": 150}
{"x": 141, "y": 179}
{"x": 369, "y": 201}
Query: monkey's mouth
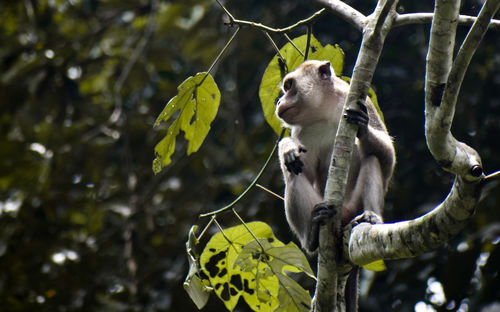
{"x": 283, "y": 111}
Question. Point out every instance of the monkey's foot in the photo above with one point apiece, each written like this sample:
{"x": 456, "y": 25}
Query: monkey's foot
{"x": 321, "y": 212}
{"x": 368, "y": 216}
{"x": 358, "y": 117}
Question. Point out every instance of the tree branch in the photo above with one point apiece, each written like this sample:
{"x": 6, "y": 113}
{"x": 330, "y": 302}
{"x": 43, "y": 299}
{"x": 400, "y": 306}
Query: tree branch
{"x": 439, "y": 60}
{"x": 464, "y": 158}
{"x": 368, "y": 243}
{"x": 346, "y": 12}
{"x": 451, "y": 154}
{"x": 426, "y": 18}
{"x": 406, "y": 239}
{"x": 375, "y": 30}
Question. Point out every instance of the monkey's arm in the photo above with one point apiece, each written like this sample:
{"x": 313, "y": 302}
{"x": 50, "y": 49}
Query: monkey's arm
{"x": 373, "y": 138}
{"x": 376, "y": 162}
{"x": 301, "y": 197}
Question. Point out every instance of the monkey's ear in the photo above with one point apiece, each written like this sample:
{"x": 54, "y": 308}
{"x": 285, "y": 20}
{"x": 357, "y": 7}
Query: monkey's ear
{"x": 325, "y": 71}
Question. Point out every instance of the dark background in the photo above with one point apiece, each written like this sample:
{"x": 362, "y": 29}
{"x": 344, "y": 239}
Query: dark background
{"x": 85, "y": 225}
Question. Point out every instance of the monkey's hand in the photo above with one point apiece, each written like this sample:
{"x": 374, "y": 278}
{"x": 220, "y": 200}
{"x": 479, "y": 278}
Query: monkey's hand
{"x": 358, "y": 117}
{"x": 320, "y": 214}
{"x": 367, "y": 216}
{"x": 290, "y": 151}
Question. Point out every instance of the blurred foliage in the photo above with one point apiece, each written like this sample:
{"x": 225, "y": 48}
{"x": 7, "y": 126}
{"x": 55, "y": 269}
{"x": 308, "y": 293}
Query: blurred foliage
{"x": 85, "y": 225}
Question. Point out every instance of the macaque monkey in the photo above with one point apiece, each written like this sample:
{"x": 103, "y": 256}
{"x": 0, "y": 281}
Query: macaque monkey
{"x": 311, "y": 107}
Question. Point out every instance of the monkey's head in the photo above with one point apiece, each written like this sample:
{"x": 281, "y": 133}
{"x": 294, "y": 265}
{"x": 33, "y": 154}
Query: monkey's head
{"x": 311, "y": 93}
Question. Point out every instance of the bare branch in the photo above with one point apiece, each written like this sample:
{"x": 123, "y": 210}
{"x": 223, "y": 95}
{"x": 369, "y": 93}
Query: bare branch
{"x": 263, "y": 27}
{"x": 439, "y": 60}
{"x": 464, "y": 56}
{"x": 426, "y": 18}
{"x": 346, "y": 12}
{"x": 442, "y": 92}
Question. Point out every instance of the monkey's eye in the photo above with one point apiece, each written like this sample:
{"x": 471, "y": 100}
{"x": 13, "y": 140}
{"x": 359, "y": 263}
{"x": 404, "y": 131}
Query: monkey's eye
{"x": 287, "y": 84}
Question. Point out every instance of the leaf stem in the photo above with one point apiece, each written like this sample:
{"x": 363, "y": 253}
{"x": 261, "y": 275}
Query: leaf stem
{"x": 308, "y": 42}
{"x": 293, "y": 44}
{"x": 206, "y": 227}
{"x": 275, "y": 46}
{"x": 220, "y": 55}
{"x": 248, "y": 229}
{"x": 249, "y": 186}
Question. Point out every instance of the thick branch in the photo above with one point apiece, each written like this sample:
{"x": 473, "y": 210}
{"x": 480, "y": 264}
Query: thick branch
{"x": 346, "y": 12}
{"x": 426, "y": 18}
{"x": 406, "y": 239}
{"x": 441, "y": 98}
{"x": 411, "y": 238}
{"x": 377, "y": 26}
{"x": 462, "y": 61}
{"x": 439, "y": 60}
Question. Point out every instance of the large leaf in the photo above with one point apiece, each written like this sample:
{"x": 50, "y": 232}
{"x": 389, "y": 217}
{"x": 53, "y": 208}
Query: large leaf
{"x": 197, "y": 102}
{"x": 262, "y": 256}
{"x": 260, "y": 289}
{"x": 269, "y": 90}
{"x": 239, "y": 266}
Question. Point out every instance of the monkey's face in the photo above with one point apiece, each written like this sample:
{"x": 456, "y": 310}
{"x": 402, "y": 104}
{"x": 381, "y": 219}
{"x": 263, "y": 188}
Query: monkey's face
{"x": 307, "y": 94}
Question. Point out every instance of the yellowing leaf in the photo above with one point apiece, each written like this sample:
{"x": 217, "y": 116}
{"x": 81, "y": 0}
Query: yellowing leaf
{"x": 237, "y": 266}
{"x": 377, "y": 266}
{"x": 270, "y": 86}
{"x": 197, "y": 102}
{"x": 275, "y": 259}
{"x": 260, "y": 289}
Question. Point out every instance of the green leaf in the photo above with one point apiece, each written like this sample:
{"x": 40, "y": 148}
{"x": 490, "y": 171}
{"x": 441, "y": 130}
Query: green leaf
{"x": 270, "y": 85}
{"x": 292, "y": 297}
{"x": 197, "y": 102}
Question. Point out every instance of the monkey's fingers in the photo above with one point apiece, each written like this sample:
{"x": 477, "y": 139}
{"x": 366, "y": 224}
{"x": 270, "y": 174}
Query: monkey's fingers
{"x": 295, "y": 166}
{"x": 356, "y": 116}
{"x": 362, "y": 106}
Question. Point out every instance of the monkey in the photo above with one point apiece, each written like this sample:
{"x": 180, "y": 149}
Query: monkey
{"x": 311, "y": 107}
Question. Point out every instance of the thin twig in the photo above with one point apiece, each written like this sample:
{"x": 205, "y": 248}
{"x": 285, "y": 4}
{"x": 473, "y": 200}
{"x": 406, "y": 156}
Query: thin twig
{"x": 233, "y": 21}
{"x": 269, "y": 191}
